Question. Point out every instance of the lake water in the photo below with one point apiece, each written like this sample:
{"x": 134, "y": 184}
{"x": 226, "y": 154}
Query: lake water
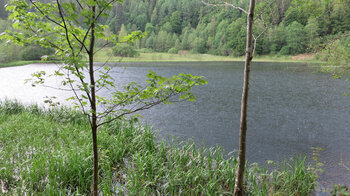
{"x": 291, "y": 109}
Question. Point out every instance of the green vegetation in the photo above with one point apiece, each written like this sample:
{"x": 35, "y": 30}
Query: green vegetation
{"x": 48, "y": 152}
{"x": 337, "y": 57}
{"x": 293, "y": 26}
{"x": 11, "y": 54}
{"x": 124, "y": 50}
{"x": 72, "y": 31}
{"x": 18, "y": 63}
{"x": 167, "y": 57}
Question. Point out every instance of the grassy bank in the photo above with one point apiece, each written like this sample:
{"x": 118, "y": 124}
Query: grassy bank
{"x": 166, "y": 57}
{"x": 20, "y": 63}
{"x": 105, "y": 55}
{"x": 17, "y": 63}
{"x": 48, "y": 152}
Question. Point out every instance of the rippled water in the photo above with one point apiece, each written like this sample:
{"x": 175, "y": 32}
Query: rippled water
{"x": 291, "y": 109}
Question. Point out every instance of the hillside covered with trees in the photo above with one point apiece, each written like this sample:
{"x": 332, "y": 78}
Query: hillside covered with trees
{"x": 289, "y": 26}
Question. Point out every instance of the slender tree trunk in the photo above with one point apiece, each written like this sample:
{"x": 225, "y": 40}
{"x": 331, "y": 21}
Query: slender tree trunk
{"x": 93, "y": 103}
{"x": 239, "y": 190}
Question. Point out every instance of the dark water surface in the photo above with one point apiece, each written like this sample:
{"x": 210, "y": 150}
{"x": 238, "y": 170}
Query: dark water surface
{"x": 291, "y": 109}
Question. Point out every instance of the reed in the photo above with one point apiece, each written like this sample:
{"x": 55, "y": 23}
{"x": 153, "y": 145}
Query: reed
{"x": 48, "y": 152}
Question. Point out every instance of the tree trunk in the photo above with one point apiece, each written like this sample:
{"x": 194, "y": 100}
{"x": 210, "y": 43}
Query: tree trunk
{"x": 239, "y": 190}
{"x": 93, "y": 103}
{"x": 95, "y": 151}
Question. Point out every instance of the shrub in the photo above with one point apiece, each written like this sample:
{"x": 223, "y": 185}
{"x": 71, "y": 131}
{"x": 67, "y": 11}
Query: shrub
{"x": 173, "y": 51}
{"x": 124, "y": 50}
{"x": 34, "y": 52}
{"x": 8, "y": 53}
{"x": 145, "y": 50}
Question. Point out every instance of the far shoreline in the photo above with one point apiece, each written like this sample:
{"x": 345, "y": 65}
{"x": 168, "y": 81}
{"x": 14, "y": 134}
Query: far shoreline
{"x": 166, "y": 57}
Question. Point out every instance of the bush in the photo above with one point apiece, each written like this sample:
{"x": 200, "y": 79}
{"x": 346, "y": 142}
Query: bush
{"x": 124, "y": 50}
{"x": 173, "y": 51}
{"x": 8, "y": 53}
{"x": 34, "y": 52}
{"x": 145, "y": 50}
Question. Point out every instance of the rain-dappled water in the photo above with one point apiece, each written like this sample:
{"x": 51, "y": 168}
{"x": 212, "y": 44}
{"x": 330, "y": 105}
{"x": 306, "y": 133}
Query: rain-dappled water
{"x": 291, "y": 109}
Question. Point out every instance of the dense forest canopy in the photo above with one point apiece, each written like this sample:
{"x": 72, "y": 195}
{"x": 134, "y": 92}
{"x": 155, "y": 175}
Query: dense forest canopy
{"x": 290, "y": 26}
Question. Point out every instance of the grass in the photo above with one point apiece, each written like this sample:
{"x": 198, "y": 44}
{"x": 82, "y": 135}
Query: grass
{"x": 163, "y": 57}
{"x": 20, "y": 63}
{"x": 105, "y": 54}
{"x": 48, "y": 152}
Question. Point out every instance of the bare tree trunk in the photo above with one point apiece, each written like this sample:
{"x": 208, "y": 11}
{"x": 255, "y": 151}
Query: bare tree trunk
{"x": 93, "y": 103}
{"x": 239, "y": 190}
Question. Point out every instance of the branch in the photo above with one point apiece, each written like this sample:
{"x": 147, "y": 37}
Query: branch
{"x": 103, "y": 9}
{"x": 78, "y": 2}
{"x": 36, "y": 7}
{"x": 52, "y": 44}
{"x": 102, "y": 47}
{"x": 145, "y": 107}
{"x": 111, "y": 109}
{"x": 330, "y": 42}
{"x": 225, "y": 4}
{"x": 81, "y": 104}
{"x": 65, "y": 26}
{"x": 61, "y": 89}
{"x": 256, "y": 38}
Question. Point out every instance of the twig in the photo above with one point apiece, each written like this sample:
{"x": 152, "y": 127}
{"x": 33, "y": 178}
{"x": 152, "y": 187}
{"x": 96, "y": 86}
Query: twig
{"x": 225, "y": 4}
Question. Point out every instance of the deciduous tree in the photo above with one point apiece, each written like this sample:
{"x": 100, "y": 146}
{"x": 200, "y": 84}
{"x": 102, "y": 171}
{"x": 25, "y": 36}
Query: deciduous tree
{"x": 239, "y": 190}
{"x": 71, "y": 28}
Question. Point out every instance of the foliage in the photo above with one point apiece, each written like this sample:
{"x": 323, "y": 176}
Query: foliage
{"x": 35, "y": 53}
{"x": 124, "y": 50}
{"x": 337, "y": 58}
{"x": 295, "y": 39}
{"x": 49, "y": 153}
{"x": 173, "y": 51}
{"x": 71, "y": 29}
{"x": 190, "y": 19}
{"x": 339, "y": 190}
{"x": 9, "y": 52}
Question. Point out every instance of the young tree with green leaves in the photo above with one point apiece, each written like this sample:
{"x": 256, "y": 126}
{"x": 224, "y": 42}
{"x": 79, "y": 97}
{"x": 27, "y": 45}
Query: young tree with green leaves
{"x": 71, "y": 28}
{"x": 249, "y": 52}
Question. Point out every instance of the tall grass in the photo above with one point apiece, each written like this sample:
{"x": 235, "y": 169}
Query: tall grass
{"x": 49, "y": 152}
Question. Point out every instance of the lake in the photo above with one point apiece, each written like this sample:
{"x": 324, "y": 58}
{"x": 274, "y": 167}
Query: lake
{"x": 291, "y": 109}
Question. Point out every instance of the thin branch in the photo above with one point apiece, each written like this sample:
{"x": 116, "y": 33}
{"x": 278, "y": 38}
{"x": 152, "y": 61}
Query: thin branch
{"x": 47, "y": 17}
{"x": 79, "y": 100}
{"x": 133, "y": 111}
{"x": 256, "y": 38}
{"x": 103, "y": 9}
{"x": 65, "y": 27}
{"x": 225, "y": 4}
{"x": 57, "y": 88}
{"x": 102, "y": 47}
{"x": 112, "y": 108}
{"x": 52, "y": 44}
{"x": 88, "y": 30}
{"x": 78, "y": 2}
{"x": 323, "y": 46}
{"x": 81, "y": 42}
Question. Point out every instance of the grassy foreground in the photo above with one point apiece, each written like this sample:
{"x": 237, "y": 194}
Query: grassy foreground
{"x": 48, "y": 152}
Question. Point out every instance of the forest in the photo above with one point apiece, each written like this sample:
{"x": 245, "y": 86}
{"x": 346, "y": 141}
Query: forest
{"x": 287, "y": 27}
